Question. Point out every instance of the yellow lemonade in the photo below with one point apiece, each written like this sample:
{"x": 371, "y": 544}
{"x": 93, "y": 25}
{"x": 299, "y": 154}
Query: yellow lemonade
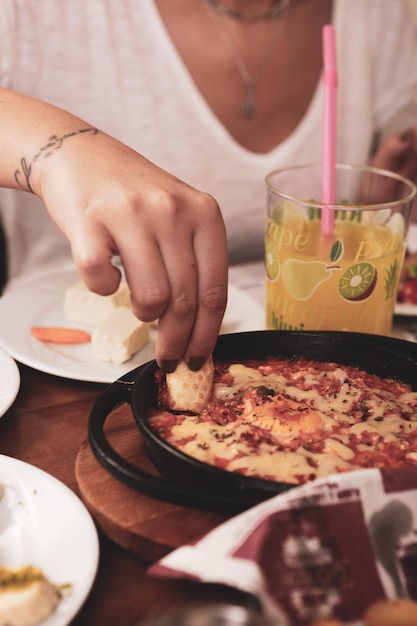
{"x": 344, "y": 281}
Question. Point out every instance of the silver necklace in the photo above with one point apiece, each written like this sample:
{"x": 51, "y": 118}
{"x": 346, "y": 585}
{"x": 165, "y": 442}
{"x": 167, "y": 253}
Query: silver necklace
{"x": 276, "y": 8}
{"x": 250, "y": 80}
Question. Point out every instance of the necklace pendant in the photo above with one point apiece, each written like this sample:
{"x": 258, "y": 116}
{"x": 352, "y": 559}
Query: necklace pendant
{"x": 248, "y": 107}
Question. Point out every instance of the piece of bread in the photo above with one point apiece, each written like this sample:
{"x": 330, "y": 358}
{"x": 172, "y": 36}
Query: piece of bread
{"x": 119, "y": 336}
{"x": 328, "y": 621}
{"x": 396, "y": 612}
{"x": 188, "y": 390}
{"x": 83, "y": 306}
{"x": 26, "y": 597}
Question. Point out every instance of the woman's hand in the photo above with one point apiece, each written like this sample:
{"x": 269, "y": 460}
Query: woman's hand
{"x": 109, "y": 200}
{"x": 398, "y": 153}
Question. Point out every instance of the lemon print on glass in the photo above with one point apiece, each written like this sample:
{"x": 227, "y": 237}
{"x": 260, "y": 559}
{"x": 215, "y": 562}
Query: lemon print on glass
{"x": 358, "y": 282}
{"x": 285, "y": 213}
{"x": 301, "y": 278}
{"x": 271, "y": 260}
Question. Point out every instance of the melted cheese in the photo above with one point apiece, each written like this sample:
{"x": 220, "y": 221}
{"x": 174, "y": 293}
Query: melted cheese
{"x": 294, "y": 421}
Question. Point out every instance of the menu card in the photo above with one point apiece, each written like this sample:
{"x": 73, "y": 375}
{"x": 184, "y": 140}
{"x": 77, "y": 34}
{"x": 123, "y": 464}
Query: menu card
{"x": 330, "y": 548}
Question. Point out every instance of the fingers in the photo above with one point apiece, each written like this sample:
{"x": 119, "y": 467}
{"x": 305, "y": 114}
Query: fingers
{"x": 92, "y": 251}
{"x": 175, "y": 262}
{"x": 408, "y": 166}
{"x": 190, "y": 332}
{"x": 170, "y": 237}
{"x": 212, "y": 260}
{"x": 196, "y": 266}
{"x": 390, "y": 152}
{"x": 398, "y": 153}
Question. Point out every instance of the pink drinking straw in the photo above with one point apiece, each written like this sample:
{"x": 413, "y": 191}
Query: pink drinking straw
{"x": 329, "y": 128}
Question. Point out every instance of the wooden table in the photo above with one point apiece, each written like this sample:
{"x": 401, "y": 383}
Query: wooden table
{"x": 46, "y": 427}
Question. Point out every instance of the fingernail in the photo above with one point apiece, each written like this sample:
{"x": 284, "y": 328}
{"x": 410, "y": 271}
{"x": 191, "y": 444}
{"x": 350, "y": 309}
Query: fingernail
{"x": 196, "y": 363}
{"x": 169, "y": 366}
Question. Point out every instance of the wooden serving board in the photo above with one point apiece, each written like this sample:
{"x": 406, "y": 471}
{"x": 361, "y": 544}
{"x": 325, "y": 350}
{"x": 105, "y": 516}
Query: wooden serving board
{"x": 147, "y": 527}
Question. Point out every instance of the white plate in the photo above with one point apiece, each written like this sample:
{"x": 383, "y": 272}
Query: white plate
{"x": 43, "y": 523}
{"x": 40, "y": 303}
{"x": 9, "y": 382}
{"x": 405, "y": 309}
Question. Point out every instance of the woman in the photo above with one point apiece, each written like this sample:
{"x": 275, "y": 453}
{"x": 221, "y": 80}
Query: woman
{"x": 147, "y": 128}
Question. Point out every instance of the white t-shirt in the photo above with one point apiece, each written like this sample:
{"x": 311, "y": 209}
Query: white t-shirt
{"x": 112, "y": 63}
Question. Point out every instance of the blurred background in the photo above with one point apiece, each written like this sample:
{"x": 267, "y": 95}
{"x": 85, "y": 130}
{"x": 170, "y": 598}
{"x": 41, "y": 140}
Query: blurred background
{"x": 409, "y": 116}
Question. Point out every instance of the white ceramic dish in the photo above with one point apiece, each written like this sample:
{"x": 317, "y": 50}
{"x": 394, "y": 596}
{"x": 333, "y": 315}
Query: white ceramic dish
{"x": 43, "y": 523}
{"x": 405, "y": 310}
{"x": 40, "y": 303}
{"x": 10, "y": 382}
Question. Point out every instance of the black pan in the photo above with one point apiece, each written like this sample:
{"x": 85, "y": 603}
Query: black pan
{"x": 189, "y": 482}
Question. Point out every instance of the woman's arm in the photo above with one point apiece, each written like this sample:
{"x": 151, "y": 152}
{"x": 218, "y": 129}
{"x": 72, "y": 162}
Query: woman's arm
{"x": 109, "y": 200}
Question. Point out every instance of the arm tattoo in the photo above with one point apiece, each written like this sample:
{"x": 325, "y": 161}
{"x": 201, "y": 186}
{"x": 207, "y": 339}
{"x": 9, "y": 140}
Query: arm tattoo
{"x": 22, "y": 175}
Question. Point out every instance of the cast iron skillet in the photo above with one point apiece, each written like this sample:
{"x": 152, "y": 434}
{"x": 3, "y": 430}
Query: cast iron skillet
{"x": 189, "y": 482}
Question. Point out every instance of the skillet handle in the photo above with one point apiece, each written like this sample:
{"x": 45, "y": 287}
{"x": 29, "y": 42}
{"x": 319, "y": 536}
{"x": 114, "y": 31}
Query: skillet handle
{"x": 118, "y": 393}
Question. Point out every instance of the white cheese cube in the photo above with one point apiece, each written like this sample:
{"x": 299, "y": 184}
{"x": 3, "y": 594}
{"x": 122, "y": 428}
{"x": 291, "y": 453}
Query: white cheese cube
{"x": 119, "y": 336}
{"x": 84, "y": 306}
